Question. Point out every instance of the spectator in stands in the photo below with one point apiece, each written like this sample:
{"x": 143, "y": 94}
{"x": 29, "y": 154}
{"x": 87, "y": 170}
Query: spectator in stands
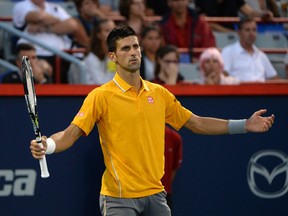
{"x": 264, "y": 5}
{"x": 156, "y": 8}
{"x": 212, "y": 68}
{"x": 244, "y": 60}
{"x": 42, "y": 70}
{"x": 88, "y": 13}
{"x": 183, "y": 27}
{"x": 99, "y": 67}
{"x": 109, "y": 7}
{"x": 215, "y": 8}
{"x": 173, "y": 160}
{"x": 167, "y": 66}
{"x": 50, "y": 24}
{"x": 151, "y": 42}
{"x": 267, "y": 5}
{"x": 134, "y": 13}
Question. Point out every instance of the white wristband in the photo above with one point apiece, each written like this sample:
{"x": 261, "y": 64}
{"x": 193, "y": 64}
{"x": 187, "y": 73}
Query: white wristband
{"x": 51, "y": 146}
{"x": 237, "y": 126}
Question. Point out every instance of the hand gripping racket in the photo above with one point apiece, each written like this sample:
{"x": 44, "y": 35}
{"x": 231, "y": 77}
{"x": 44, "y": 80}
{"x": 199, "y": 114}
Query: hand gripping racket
{"x": 31, "y": 102}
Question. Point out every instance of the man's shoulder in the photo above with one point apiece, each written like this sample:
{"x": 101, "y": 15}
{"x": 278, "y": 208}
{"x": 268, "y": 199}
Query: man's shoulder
{"x": 153, "y": 86}
{"x": 230, "y": 47}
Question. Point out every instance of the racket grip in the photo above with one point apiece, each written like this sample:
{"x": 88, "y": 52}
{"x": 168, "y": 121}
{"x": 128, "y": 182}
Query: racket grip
{"x": 43, "y": 162}
{"x": 44, "y": 167}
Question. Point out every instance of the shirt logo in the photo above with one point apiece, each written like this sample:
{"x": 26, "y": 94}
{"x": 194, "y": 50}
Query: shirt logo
{"x": 150, "y": 100}
{"x": 80, "y": 114}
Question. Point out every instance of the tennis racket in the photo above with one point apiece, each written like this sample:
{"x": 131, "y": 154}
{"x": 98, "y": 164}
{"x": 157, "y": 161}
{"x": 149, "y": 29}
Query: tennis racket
{"x": 31, "y": 102}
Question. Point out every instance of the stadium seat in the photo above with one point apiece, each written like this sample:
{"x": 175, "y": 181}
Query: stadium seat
{"x": 225, "y": 38}
{"x": 274, "y": 40}
{"x": 6, "y": 8}
{"x": 271, "y": 40}
{"x": 190, "y": 72}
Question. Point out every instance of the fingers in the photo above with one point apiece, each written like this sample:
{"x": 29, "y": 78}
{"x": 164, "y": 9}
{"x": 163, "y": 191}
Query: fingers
{"x": 269, "y": 121}
{"x": 36, "y": 150}
{"x": 260, "y": 112}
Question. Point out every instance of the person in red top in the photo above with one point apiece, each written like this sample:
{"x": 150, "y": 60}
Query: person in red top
{"x": 183, "y": 27}
{"x": 173, "y": 160}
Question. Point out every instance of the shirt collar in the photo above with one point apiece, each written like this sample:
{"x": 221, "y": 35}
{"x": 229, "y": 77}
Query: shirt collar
{"x": 240, "y": 49}
{"x": 124, "y": 86}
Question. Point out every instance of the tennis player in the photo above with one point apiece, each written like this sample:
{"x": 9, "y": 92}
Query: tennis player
{"x": 130, "y": 114}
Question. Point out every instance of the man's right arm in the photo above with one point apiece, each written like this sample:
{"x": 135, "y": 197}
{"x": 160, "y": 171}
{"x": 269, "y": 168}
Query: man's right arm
{"x": 63, "y": 140}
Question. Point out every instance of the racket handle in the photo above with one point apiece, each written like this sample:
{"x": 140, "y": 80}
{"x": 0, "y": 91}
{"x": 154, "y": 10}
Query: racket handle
{"x": 44, "y": 167}
{"x": 42, "y": 161}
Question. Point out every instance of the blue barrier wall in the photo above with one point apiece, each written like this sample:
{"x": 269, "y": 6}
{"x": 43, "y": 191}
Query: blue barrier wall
{"x": 214, "y": 179}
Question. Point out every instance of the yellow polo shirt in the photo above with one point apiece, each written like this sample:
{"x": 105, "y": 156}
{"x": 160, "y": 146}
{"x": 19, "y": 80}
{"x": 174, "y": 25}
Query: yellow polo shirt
{"x": 131, "y": 129}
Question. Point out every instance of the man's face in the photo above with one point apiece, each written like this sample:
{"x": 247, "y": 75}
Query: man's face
{"x": 31, "y": 54}
{"x": 178, "y": 6}
{"x": 128, "y": 54}
{"x": 248, "y": 33}
{"x": 89, "y": 7}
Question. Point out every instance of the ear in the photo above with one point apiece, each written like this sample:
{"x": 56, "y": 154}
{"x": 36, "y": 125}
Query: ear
{"x": 113, "y": 57}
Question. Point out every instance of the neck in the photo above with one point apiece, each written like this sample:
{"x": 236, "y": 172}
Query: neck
{"x": 150, "y": 55}
{"x": 132, "y": 78}
{"x": 86, "y": 17}
{"x": 247, "y": 47}
{"x": 180, "y": 18}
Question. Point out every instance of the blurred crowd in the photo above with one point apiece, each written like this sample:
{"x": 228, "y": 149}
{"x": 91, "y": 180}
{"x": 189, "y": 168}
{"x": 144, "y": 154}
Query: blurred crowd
{"x": 169, "y": 31}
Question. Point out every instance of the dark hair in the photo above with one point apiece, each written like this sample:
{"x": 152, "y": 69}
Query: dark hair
{"x": 78, "y": 4}
{"x": 95, "y": 45}
{"x": 23, "y": 47}
{"x": 118, "y": 33}
{"x": 245, "y": 20}
{"x": 161, "y": 52}
{"x": 124, "y": 7}
{"x": 150, "y": 28}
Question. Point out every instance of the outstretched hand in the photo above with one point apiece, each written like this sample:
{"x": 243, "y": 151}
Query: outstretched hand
{"x": 257, "y": 123}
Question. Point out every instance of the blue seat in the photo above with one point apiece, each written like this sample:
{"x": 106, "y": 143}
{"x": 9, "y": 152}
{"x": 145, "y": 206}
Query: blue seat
{"x": 225, "y": 38}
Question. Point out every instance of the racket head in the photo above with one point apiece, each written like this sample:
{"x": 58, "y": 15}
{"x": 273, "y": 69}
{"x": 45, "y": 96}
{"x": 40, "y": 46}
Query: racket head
{"x": 30, "y": 93}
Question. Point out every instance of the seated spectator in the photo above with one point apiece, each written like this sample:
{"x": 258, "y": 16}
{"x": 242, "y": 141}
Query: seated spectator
{"x": 267, "y": 5}
{"x": 150, "y": 43}
{"x": 156, "y": 8}
{"x": 264, "y": 5}
{"x": 50, "y": 24}
{"x": 109, "y": 7}
{"x": 134, "y": 13}
{"x": 183, "y": 28}
{"x": 42, "y": 71}
{"x": 99, "y": 67}
{"x": 244, "y": 60}
{"x": 167, "y": 66}
{"x": 88, "y": 13}
{"x": 215, "y": 8}
{"x": 212, "y": 68}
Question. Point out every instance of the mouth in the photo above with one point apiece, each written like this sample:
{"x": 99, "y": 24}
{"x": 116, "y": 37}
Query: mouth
{"x": 134, "y": 60}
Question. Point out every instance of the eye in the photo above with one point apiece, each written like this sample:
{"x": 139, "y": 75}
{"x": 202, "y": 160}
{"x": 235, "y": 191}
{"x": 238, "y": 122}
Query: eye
{"x": 126, "y": 48}
{"x": 136, "y": 46}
